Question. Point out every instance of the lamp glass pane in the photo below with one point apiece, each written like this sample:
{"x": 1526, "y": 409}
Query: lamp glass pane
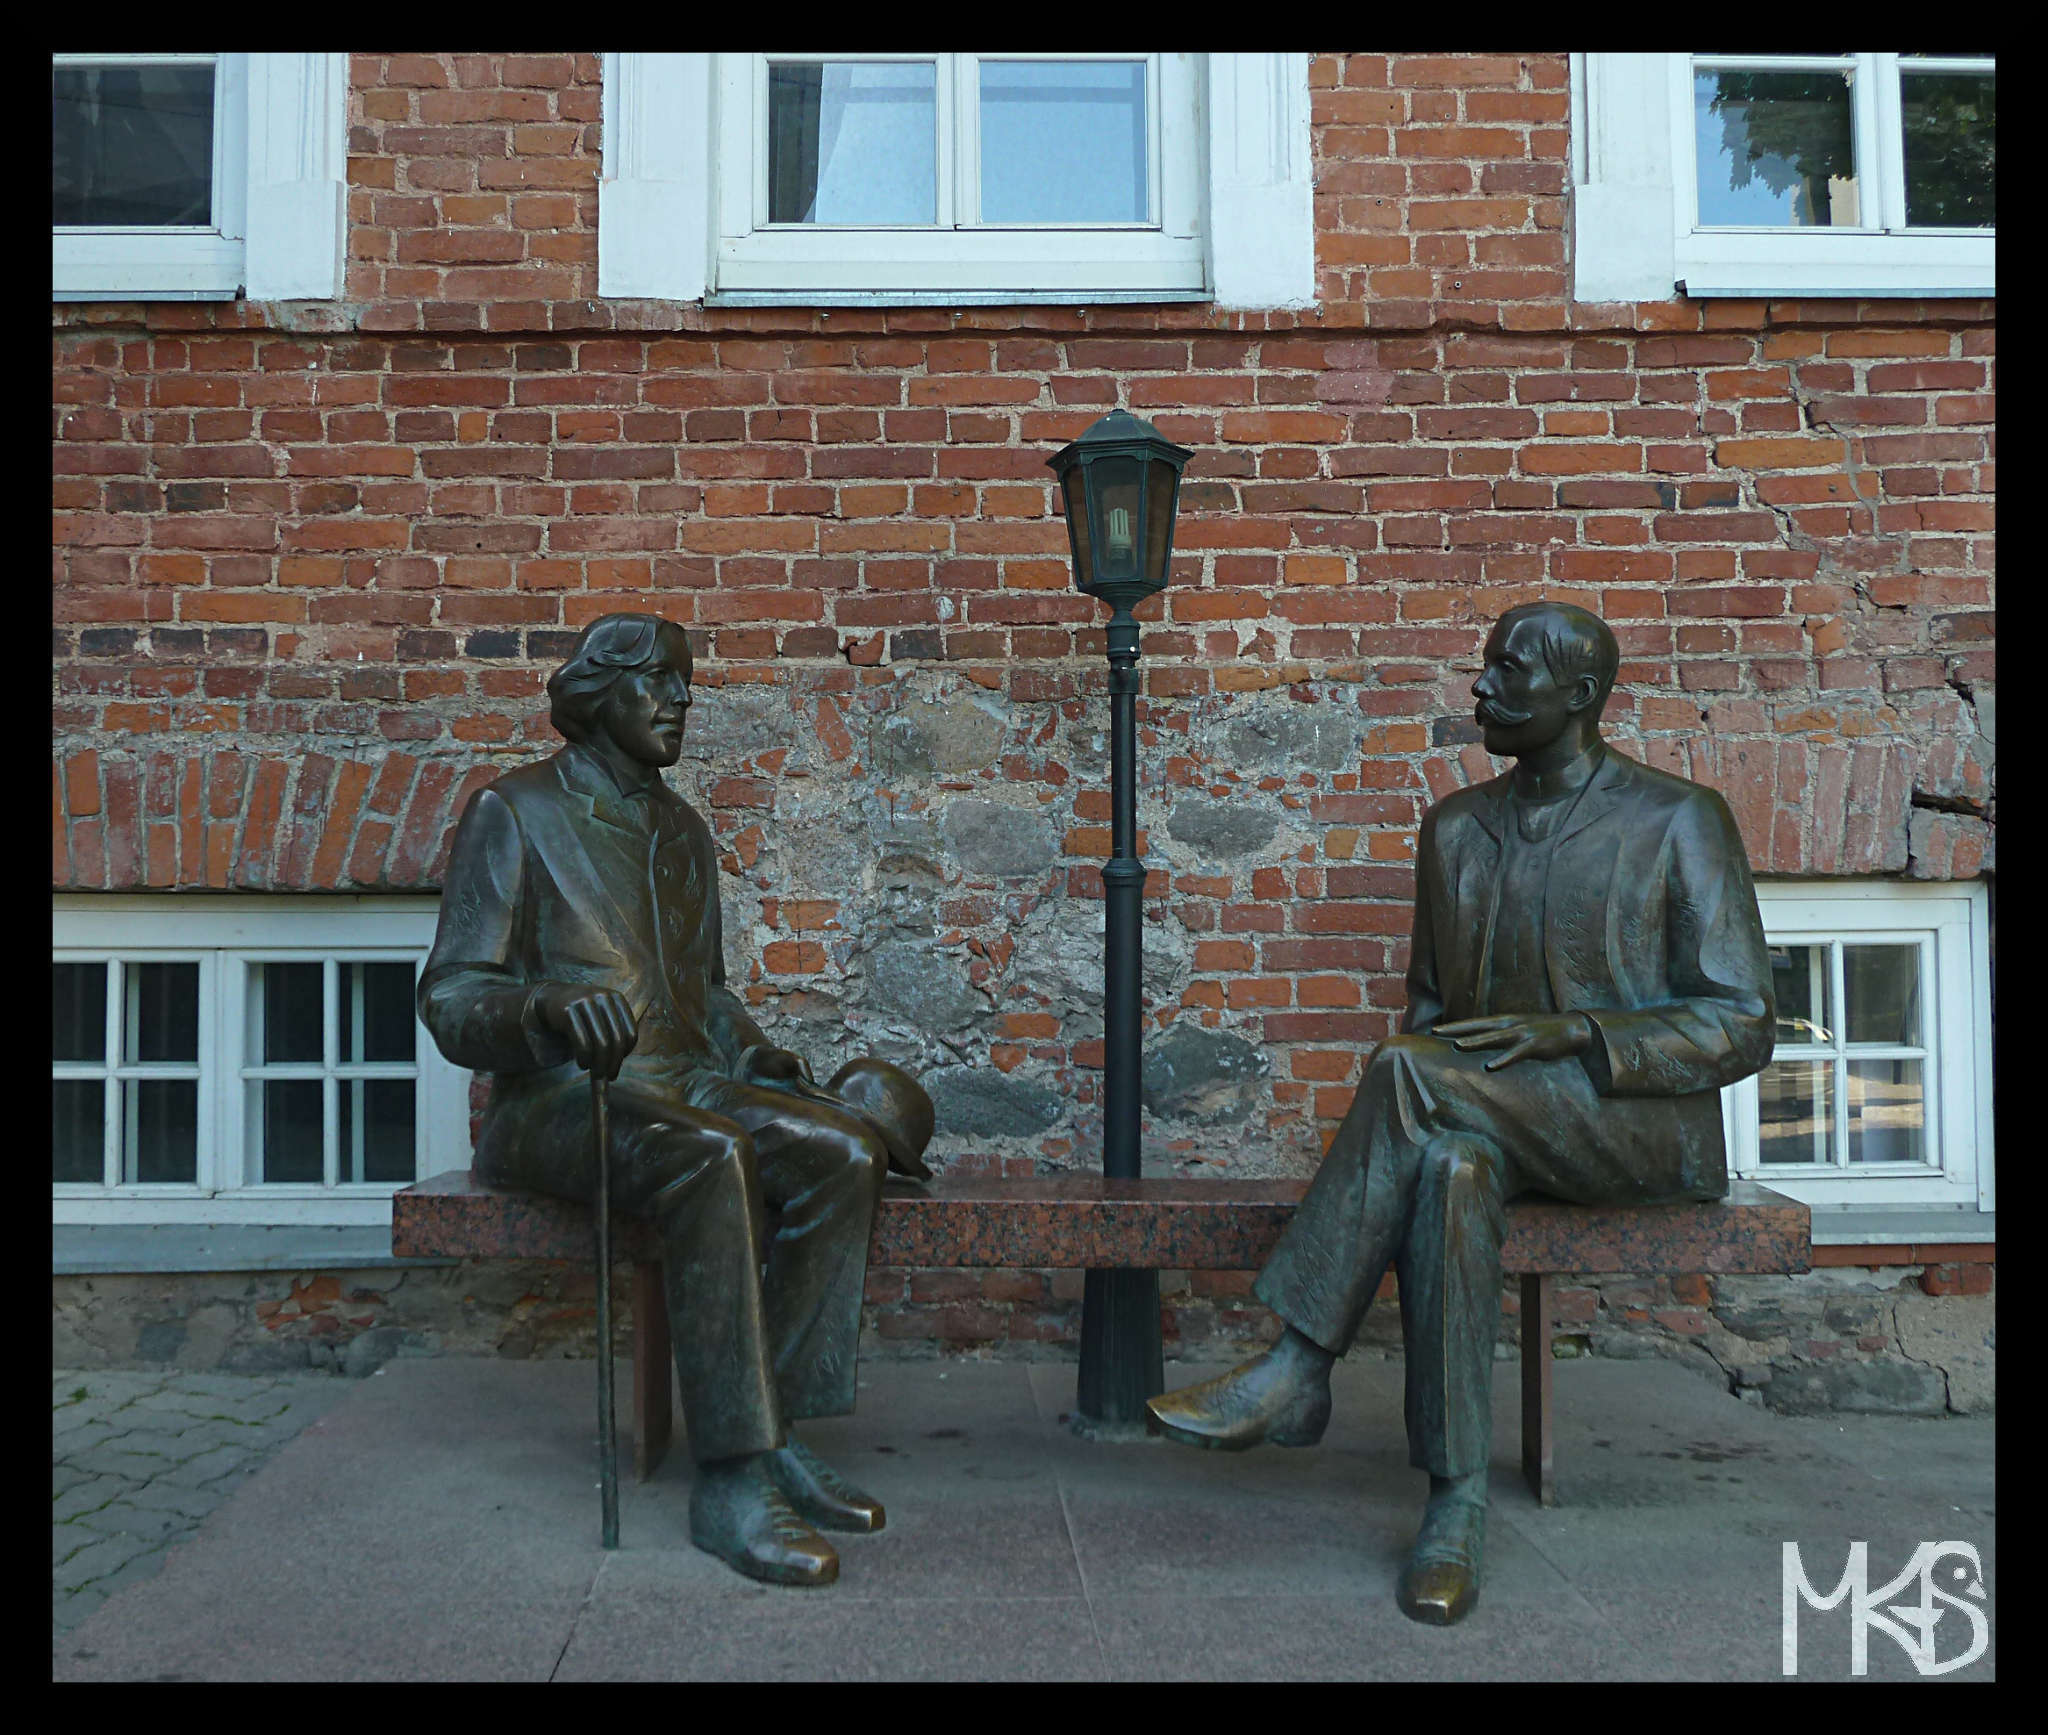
{"x": 1118, "y": 485}
{"x": 1075, "y": 485}
{"x": 1161, "y": 481}
{"x": 1776, "y": 149}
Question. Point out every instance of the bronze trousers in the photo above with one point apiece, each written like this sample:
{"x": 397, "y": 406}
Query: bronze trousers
{"x": 708, "y": 1160}
{"x": 1418, "y": 1178}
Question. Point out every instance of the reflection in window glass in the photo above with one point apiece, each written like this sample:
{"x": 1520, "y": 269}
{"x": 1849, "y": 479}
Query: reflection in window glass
{"x": 853, "y": 142}
{"x": 377, "y": 1139}
{"x": 1882, "y": 987}
{"x": 377, "y": 1012}
{"x": 78, "y": 1012}
{"x": 1887, "y": 1112}
{"x": 1796, "y": 1113}
{"x": 289, "y": 1123}
{"x": 132, "y": 145}
{"x": 1799, "y": 983}
{"x": 77, "y": 1129}
{"x": 292, "y": 1001}
{"x": 1063, "y": 141}
{"x": 163, "y": 1012}
{"x": 160, "y": 1127}
{"x": 1951, "y": 149}
{"x": 1776, "y": 149}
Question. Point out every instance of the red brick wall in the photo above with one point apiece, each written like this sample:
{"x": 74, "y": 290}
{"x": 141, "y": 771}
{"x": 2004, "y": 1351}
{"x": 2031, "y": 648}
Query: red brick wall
{"x": 314, "y": 561}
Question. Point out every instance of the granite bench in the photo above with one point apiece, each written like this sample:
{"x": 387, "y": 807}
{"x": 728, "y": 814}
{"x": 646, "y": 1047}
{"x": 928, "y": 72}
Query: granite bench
{"x": 1083, "y": 1222}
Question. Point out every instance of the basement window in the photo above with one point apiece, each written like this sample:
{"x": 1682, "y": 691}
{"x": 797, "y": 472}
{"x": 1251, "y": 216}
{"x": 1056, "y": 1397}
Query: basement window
{"x": 244, "y": 1061}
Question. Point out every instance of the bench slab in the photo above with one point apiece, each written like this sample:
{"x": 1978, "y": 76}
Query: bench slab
{"x": 1083, "y": 1222}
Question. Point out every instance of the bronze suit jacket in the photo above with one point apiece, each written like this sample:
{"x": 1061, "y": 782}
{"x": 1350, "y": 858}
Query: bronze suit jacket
{"x": 1650, "y": 927}
{"x": 556, "y": 876}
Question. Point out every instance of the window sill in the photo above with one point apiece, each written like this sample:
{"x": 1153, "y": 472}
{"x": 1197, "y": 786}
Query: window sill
{"x": 1873, "y": 1226}
{"x": 947, "y": 297}
{"x": 104, "y": 1249}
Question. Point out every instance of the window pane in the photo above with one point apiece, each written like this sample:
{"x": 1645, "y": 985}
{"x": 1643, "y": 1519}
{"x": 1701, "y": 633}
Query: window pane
{"x": 377, "y": 1019}
{"x": 1775, "y": 149}
{"x": 290, "y": 1025}
{"x": 1799, "y": 981}
{"x": 1795, "y": 1111}
{"x": 1063, "y": 141}
{"x": 1882, "y": 986}
{"x": 287, "y": 1116}
{"x": 132, "y": 144}
{"x": 78, "y": 1012}
{"x": 160, "y": 1129}
{"x": 163, "y": 1012}
{"x": 1887, "y": 1112}
{"x": 1951, "y": 149}
{"x": 853, "y": 142}
{"x": 77, "y": 1130}
{"x": 378, "y": 1112}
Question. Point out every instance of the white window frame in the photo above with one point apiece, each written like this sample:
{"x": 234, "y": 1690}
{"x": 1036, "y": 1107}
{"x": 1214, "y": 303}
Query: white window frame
{"x": 1950, "y": 920}
{"x": 225, "y": 935}
{"x": 1635, "y": 233}
{"x": 280, "y": 190}
{"x": 676, "y": 203}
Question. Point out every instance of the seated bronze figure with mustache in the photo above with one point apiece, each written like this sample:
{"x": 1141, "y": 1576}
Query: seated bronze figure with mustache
{"x": 579, "y": 932}
{"x": 1588, "y": 968}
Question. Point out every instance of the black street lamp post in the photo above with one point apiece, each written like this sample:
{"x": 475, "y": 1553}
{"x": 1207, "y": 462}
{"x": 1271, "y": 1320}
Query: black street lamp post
{"x": 1121, "y": 480}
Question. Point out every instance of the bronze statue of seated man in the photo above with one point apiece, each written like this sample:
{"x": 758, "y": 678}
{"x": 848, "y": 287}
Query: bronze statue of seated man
{"x": 1588, "y": 968}
{"x": 579, "y": 932}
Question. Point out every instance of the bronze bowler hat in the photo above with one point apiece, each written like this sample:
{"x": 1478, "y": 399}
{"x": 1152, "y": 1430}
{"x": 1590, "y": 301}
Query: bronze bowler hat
{"x": 895, "y": 1104}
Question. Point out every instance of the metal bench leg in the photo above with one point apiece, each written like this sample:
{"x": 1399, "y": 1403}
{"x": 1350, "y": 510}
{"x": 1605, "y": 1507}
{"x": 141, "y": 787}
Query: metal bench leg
{"x": 653, "y": 1394}
{"x": 1538, "y": 1435}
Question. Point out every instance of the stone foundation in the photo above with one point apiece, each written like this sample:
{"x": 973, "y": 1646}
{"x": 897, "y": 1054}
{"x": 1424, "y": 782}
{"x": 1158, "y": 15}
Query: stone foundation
{"x": 1897, "y": 1339}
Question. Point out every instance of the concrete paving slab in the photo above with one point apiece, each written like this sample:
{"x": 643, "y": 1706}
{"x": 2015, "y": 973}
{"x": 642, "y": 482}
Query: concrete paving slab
{"x": 440, "y": 1522}
{"x": 819, "y": 1636}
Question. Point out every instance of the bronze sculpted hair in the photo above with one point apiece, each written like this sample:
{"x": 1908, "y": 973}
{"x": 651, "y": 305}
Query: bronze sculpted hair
{"x": 611, "y": 646}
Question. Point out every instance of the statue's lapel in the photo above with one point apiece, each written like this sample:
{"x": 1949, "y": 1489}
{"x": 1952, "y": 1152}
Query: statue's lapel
{"x": 597, "y": 857}
{"x": 1579, "y": 911}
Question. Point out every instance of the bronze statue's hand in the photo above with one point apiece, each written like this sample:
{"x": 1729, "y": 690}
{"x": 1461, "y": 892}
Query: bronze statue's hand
{"x": 1524, "y": 1036}
{"x": 597, "y": 1023}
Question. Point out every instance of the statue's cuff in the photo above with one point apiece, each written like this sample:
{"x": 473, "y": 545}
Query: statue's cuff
{"x": 1594, "y": 1057}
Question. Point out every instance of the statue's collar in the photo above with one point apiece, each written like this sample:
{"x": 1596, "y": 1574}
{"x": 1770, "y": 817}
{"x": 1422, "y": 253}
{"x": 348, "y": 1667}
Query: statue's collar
{"x": 591, "y": 773}
{"x": 1566, "y": 779}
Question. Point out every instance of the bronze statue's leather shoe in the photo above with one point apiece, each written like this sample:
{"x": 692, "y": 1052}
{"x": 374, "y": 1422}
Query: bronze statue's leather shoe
{"x": 1440, "y": 1585}
{"x": 742, "y": 1517}
{"x": 1256, "y": 1402}
{"x": 821, "y": 1494}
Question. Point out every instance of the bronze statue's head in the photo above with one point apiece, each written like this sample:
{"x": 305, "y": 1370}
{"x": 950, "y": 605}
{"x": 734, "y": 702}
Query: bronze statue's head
{"x": 628, "y": 679}
{"x": 1549, "y": 669}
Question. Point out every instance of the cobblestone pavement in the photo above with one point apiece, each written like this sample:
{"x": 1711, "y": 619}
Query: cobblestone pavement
{"x": 139, "y": 1459}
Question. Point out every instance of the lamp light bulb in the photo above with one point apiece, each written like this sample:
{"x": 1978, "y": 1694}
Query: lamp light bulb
{"x": 1119, "y": 530}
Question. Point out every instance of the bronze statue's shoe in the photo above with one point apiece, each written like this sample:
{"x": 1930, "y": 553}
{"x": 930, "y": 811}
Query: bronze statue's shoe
{"x": 742, "y": 1517}
{"x": 821, "y": 1494}
{"x": 1255, "y": 1402}
{"x": 1440, "y": 1585}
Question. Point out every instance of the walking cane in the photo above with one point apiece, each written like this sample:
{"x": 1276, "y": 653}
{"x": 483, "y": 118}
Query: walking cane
{"x": 607, "y": 1431}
